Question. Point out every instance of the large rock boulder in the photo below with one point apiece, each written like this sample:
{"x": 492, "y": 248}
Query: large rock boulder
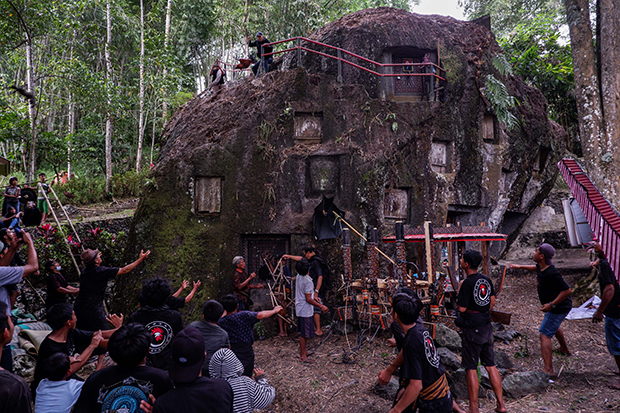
{"x": 446, "y": 337}
{"x": 242, "y": 170}
{"x": 523, "y": 383}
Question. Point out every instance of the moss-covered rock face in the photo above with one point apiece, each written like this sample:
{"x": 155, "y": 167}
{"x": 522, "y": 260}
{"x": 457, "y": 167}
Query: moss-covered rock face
{"x": 274, "y": 145}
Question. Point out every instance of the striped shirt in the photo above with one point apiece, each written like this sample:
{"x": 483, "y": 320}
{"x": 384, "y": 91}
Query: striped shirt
{"x": 247, "y": 393}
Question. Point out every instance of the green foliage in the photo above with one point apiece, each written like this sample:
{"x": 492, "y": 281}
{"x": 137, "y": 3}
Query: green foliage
{"x": 507, "y": 14}
{"x": 50, "y": 245}
{"x": 497, "y": 94}
{"x": 91, "y": 189}
{"x": 540, "y": 56}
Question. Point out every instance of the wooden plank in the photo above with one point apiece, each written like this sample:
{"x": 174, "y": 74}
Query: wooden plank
{"x": 429, "y": 251}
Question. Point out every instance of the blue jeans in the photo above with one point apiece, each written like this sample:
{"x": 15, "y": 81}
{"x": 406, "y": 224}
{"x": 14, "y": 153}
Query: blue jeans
{"x": 266, "y": 64}
{"x": 551, "y": 323}
{"x": 612, "y": 335}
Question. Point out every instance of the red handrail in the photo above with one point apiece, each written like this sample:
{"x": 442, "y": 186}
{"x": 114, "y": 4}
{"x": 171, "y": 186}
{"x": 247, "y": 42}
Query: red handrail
{"x": 381, "y": 65}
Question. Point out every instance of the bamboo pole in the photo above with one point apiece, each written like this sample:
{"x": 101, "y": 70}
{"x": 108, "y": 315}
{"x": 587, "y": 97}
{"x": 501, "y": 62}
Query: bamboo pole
{"x": 65, "y": 212}
{"x": 64, "y": 237}
{"x": 363, "y": 237}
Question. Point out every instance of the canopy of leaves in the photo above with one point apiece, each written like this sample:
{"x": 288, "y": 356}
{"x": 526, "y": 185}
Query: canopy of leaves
{"x": 541, "y": 57}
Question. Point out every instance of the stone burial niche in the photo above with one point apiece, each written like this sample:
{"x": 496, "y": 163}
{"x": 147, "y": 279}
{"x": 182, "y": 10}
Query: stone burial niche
{"x": 413, "y": 77}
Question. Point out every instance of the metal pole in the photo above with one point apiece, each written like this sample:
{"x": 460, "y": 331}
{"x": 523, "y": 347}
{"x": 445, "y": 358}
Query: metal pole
{"x": 298, "y": 52}
{"x": 339, "y": 54}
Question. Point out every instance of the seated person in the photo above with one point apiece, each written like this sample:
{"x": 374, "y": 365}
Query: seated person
{"x": 56, "y": 393}
{"x": 128, "y": 384}
{"x": 11, "y": 218}
{"x": 248, "y": 394}
{"x": 65, "y": 338}
{"x": 193, "y": 393}
{"x": 214, "y": 336}
{"x": 162, "y": 322}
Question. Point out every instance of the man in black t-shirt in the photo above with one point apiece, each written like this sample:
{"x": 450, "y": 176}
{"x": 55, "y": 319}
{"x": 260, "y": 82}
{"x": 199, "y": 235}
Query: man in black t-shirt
{"x": 260, "y": 52}
{"x": 554, "y": 295}
{"x": 475, "y": 300}
{"x": 317, "y": 273}
{"x": 128, "y": 385}
{"x": 193, "y": 393}
{"x": 93, "y": 283}
{"x": 428, "y": 387}
{"x": 14, "y": 393}
{"x": 65, "y": 338}
{"x": 162, "y": 322}
{"x": 609, "y": 306}
{"x": 57, "y": 286}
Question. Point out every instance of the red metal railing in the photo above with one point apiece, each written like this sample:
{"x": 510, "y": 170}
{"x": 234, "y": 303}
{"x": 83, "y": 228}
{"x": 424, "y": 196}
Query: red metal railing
{"x": 602, "y": 217}
{"x": 341, "y": 51}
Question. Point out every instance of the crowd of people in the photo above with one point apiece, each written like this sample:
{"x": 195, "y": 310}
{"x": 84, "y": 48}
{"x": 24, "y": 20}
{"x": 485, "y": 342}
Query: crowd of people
{"x": 160, "y": 365}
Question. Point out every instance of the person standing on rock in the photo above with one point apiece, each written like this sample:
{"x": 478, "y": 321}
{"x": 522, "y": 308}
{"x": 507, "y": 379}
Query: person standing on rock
{"x": 609, "y": 306}
{"x": 554, "y": 295}
{"x": 475, "y": 300}
{"x": 260, "y": 52}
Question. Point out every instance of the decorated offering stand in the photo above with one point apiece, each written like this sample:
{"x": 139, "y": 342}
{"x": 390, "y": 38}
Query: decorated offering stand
{"x": 368, "y": 298}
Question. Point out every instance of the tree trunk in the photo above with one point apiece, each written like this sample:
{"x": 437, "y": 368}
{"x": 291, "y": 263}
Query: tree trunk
{"x": 164, "y": 103}
{"x": 141, "y": 114}
{"x": 31, "y": 111}
{"x": 608, "y": 42}
{"x": 108, "y": 123}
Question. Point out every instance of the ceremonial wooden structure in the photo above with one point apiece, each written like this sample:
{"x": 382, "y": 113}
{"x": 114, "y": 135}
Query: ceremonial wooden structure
{"x": 367, "y": 297}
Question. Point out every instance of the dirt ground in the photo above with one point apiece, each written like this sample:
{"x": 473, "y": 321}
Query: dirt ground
{"x": 329, "y": 385}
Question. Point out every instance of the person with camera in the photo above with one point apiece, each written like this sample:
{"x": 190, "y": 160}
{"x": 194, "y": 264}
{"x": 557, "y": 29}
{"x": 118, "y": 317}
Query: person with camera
{"x": 13, "y": 275}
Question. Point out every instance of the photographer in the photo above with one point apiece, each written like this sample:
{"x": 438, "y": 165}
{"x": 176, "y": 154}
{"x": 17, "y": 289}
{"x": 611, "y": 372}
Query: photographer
{"x": 14, "y": 275}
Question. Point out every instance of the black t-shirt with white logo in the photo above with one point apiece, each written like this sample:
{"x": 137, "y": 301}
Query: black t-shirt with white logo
{"x": 606, "y": 276}
{"x": 475, "y": 295}
{"x": 77, "y": 340}
{"x": 421, "y": 361}
{"x": 550, "y": 285}
{"x": 163, "y": 323}
{"x": 121, "y": 389}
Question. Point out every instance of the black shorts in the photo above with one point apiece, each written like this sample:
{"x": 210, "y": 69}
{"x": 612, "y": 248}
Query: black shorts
{"x": 477, "y": 345}
{"x": 443, "y": 405}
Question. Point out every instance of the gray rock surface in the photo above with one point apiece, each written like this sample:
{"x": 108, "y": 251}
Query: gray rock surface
{"x": 387, "y": 392}
{"x": 502, "y": 360}
{"x": 458, "y": 385}
{"x": 450, "y": 360}
{"x": 445, "y": 337}
{"x": 523, "y": 383}
{"x": 506, "y": 336}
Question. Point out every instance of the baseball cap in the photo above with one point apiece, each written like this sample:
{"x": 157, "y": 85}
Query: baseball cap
{"x": 188, "y": 354}
{"x": 259, "y": 34}
{"x": 548, "y": 251}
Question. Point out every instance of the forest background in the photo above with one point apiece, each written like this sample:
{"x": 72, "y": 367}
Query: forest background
{"x": 87, "y": 86}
